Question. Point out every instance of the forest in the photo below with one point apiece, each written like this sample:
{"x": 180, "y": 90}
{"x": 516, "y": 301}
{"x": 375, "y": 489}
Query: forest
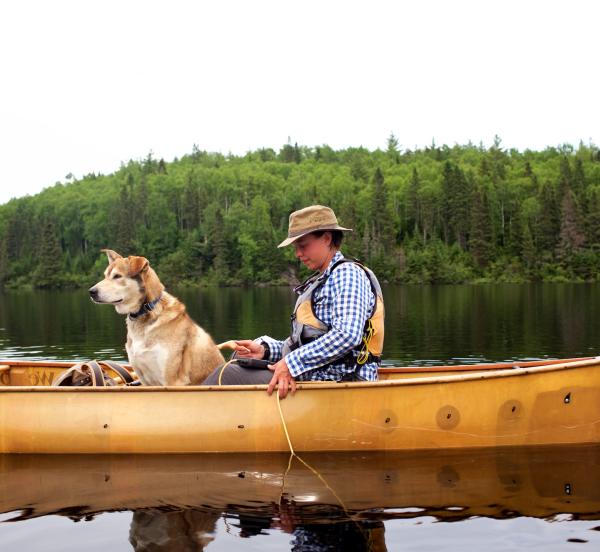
{"x": 437, "y": 215}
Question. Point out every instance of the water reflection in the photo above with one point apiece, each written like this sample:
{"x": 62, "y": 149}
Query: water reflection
{"x": 341, "y": 502}
{"x": 425, "y": 324}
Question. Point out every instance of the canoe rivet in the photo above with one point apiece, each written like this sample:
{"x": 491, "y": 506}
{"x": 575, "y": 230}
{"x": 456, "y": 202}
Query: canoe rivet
{"x": 448, "y": 417}
{"x": 387, "y": 420}
{"x": 567, "y": 488}
{"x": 241, "y": 426}
{"x": 568, "y": 398}
{"x": 105, "y": 426}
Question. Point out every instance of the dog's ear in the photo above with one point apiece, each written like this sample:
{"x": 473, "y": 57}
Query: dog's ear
{"x": 112, "y": 255}
{"x": 137, "y": 265}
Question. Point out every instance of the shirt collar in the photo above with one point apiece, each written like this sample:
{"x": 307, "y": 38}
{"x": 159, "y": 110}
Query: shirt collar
{"x": 337, "y": 257}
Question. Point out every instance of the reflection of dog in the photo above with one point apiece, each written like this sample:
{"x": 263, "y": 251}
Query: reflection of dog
{"x": 179, "y": 531}
{"x": 164, "y": 345}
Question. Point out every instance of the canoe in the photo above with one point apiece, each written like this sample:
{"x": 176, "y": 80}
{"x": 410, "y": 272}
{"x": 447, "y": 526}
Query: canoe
{"x": 513, "y": 404}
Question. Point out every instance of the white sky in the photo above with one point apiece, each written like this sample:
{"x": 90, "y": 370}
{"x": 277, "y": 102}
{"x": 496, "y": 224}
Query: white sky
{"x": 85, "y": 85}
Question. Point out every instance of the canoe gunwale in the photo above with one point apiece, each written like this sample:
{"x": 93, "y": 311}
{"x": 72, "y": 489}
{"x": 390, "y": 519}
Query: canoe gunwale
{"x": 473, "y": 375}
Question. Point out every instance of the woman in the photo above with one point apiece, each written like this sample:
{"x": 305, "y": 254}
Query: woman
{"x": 337, "y": 324}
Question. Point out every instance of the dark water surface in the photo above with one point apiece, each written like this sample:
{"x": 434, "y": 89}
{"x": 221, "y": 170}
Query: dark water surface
{"x": 424, "y": 324}
{"x": 493, "y": 499}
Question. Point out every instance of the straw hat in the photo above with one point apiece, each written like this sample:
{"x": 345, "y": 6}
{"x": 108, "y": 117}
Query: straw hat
{"x": 311, "y": 219}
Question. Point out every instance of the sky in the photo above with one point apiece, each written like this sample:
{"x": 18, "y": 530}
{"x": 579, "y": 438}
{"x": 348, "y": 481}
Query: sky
{"x": 87, "y": 85}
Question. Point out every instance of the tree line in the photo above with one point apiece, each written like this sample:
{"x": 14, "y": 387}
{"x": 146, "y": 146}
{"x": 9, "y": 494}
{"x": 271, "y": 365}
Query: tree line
{"x": 439, "y": 214}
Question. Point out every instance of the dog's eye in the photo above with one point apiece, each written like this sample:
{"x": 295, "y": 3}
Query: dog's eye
{"x": 116, "y": 276}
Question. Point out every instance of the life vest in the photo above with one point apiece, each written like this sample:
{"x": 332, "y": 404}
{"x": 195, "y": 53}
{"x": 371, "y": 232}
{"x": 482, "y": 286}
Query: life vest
{"x": 306, "y": 327}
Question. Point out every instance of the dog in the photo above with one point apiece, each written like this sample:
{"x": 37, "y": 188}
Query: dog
{"x": 164, "y": 345}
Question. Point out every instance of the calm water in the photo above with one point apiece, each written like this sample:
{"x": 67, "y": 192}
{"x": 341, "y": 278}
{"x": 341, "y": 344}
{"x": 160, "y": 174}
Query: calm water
{"x": 512, "y": 499}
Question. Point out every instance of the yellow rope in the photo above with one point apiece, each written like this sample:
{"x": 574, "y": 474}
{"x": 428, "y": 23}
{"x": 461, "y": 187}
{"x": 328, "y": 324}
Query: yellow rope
{"x": 293, "y": 454}
{"x": 313, "y": 470}
{"x": 223, "y": 369}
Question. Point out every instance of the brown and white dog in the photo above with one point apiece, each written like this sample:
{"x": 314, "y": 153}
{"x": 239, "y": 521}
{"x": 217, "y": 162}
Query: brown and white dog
{"x": 164, "y": 345}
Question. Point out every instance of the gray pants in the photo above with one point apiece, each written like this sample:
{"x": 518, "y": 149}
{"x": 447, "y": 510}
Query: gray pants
{"x": 236, "y": 375}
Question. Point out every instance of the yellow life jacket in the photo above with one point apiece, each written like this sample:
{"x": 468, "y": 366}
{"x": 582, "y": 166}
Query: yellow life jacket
{"x": 306, "y": 327}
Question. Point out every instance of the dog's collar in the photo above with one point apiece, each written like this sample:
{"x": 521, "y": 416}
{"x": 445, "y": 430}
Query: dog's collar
{"x": 145, "y": 308}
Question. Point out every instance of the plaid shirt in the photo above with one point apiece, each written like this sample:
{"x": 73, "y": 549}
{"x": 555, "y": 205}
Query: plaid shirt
{"x": 344, "y": 303}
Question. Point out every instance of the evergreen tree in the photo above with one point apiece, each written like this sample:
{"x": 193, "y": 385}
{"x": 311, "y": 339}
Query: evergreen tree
{"x": 50, "y": 259}
{"x": 191, "y": 206}
{"x": 548, "y": 224}
{"x": 527, "y": 250}
{"x": 579, "y": 181}
{"x": 413, "y": 211}
{"x": 124, "y": 223}
{"x": 456, "y": 195}
{"x": 480, "y": 233}
{"x": 393, "y": 149}
{"x": 380, "y": 211}
{"x": 566, "y": 178}
{"x": 571, "y": 236}
{"x": 3, "y": 259}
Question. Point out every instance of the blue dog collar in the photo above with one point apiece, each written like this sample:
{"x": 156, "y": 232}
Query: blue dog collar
{"x": 146, "y": 308}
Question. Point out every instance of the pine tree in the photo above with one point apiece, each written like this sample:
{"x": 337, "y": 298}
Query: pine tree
{"x": 592, "y": 216}
{"x": 380, "y": 211}
{"x": 3, "y": 259}
{"x": 49, "y": 254}
{"x": 393, "y": 149}
{"x": 218, "y": 246}
{"x": 413, "y": 211}
{"x": 456, "y": 196}
{"x": 571, "y": 236}
{"x": 124, "y": 222}
{"x": 480, "y": 233}
{"x": 191, "y": 207}
{"x": 579, "y": 181}
{"x": 565, "y": 181}
{"x": 548, "y": 223}
{"x": 527, "y": 249}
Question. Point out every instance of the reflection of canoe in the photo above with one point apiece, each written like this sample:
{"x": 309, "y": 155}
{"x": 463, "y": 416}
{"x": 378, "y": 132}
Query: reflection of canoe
{"x": 548, "y": 403}
{"x": 539, "y": 482}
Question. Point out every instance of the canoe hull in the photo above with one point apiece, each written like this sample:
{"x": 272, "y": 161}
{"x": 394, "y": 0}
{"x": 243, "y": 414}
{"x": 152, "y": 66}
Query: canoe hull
{"x": 558, "y": 404}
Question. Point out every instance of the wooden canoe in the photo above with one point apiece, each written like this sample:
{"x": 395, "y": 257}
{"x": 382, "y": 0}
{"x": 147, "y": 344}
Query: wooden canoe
{"x": 539, "y": 403}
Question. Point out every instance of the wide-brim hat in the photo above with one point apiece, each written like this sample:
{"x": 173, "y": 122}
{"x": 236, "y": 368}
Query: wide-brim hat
{"x": 311, "y": 219}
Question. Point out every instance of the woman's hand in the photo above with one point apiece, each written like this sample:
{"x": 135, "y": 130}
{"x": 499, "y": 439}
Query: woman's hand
{"x": 282, "y": 379}
{"x": 246, "y": 348}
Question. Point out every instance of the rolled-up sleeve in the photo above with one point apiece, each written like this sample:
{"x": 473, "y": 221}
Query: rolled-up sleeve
{"x": 275, "y": 347}
{"x": 352, "y": 301}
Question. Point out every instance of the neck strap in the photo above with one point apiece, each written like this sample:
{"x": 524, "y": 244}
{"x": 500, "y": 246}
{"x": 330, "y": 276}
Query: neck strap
{"x": 146, "y": 308}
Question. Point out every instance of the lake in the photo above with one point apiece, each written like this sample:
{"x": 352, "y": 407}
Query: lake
{"x": 501, "y": 499}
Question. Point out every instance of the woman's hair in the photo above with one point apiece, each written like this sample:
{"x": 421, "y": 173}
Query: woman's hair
{"x": 336, "y": 236}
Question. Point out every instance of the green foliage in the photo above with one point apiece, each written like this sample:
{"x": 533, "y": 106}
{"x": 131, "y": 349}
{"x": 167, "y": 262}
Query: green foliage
{"x": 438, "y": 215}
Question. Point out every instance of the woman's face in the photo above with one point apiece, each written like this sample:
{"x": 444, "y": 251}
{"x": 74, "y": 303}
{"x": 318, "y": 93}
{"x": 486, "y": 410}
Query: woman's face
{"x": 314, "y": 252}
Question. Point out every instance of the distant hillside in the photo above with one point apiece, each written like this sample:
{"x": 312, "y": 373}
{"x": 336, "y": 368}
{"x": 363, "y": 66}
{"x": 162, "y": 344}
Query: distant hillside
{"x": 436, "y": 215}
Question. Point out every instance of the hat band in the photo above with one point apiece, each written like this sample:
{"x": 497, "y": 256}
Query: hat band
{"x": 316, "y": 229}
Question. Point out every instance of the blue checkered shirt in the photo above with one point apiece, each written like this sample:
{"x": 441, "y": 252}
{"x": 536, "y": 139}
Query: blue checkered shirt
{"x": 344, "y": 303}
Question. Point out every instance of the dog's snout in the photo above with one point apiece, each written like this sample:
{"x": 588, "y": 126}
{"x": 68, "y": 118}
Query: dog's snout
{"x": 93, "y": 292}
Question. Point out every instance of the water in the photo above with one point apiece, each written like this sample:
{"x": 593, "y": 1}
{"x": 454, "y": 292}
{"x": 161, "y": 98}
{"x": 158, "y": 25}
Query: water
{"x": 424, "y": 324}
{"x": 496, "y": 499}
